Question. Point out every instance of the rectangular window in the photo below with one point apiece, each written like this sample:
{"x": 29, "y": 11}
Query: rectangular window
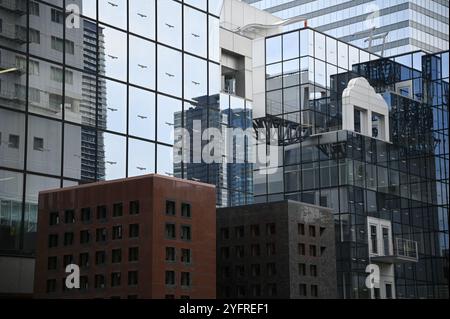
{"x": 85, "y": 215}
{"x": 100, "y": 281}
{"x": 239, "y": 251}
{"x": 67, "y": 260}
{"x": 301, "y": 249}
{"x": 68, "y": 239}
{"x": 271, "y": 269}
{"x": 100, "y": 258}
{"x": 170, "y": 208}
{"x": 133, "y": 254}
{"x": 14, "y": 141}
{"x": 85, "y": 237}
{"x": 170, "y": 231}
{"x": 57, "y": 16}
{"x": 314, "y": 291}
{"x": 101, "y": 234}
{"x": 34, "y": 8}
{"x": 84, "y": 260}
{"x": 272, "y": 290}
{"x": 117, "y": 210}
{"x": 225, "y": 252}
{"x": 52, "y": 263}
{"x": 270, "y": 249}
{"x": 312, "y": 250}
{"x": 116, "y": 256}
{"x": 84, "y": 282}
{"x": 117, "y": 232}
{"x": 254, "y": 230}
{"x": 35, "y": 36}
{"x": 134, "y": 231}
{"x": 134, "y": 207}
{"x": 115, "y": 279}
{"x": 301, "y": 229}
{"x": 51, "y": 285}
{"x": 132, "y": 278}
{"x": 373, "y": 239}
{"x": 186, "y": 256}
{"x": 225, "y": 233}
{"x": 186, "y": 210}
{"x": 170, "y": 254}
{"x": 303, "y": 290}
{"x": 239, "y": 231}
{"x": 69, "y": 216}
{"x": 52, "y": 240}
{"x": 170, "y": 278}
{"x": 255, "y": 250}
{"x": 102, "y": 213}
{"x": 302, "y": 269}
{"x": 255, "y": 270}
{"x": 185, "y": 279}
{"x": 54, "y": 218}
{"x": 313, "y": 270}
{"x": 186, "y": 233}
{"x": 312, "y": 231}
{"x": 270, "y": 229}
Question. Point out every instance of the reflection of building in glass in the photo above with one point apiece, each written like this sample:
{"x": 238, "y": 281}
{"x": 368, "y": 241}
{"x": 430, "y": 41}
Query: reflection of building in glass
{"x": 410, "y": 25}
{"x": 232, "y": 176}
{"x": 386, "y": 178}
{"x": 84, "y": 104}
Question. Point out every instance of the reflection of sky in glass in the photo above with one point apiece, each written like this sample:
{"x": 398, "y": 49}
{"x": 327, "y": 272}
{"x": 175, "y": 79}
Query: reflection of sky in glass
{"x": 142, "y": 113}
{"x": 116, "y": 106}
{"x": 214, "y": 40}
{"x": 142, "y": 18}
{"x": 196, "y": 77}
{"x": 165, "y": 160}
{"x": 142, "y": 160}
{"x": 169, "y": 71}
{"x": 112, "y": 12}
{"x": 115, "y": 53}
{"x": 115, "y": 156}
{"x": 167, "y": 107}
{"x": 142, "y": 62}
{"x": 195, "y": 34}
{"x": 169, "y": 23}
{"x": 201, "y": 4}
{"x": 88, "y": 9}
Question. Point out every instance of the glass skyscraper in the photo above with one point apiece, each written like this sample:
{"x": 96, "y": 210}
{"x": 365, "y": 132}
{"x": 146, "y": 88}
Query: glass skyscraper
{"x": 411, "y": 24}
{"x": 389, "y": 170}
{"x": 89, "y": 91}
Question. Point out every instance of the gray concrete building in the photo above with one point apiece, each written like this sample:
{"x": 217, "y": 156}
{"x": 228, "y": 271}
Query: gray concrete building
{"x": 276, "y": 250}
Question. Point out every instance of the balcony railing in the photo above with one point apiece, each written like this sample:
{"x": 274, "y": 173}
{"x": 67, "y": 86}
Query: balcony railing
{"x": 16, "y": 6}
{"x": 405, "y": 251}
{"x": 406, "y": 248}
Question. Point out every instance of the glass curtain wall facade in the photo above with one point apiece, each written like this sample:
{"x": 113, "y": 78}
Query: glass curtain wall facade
{"x": 94, "y": 96}
{"x": 412, "y": 24}
{"x": 404, "y": 181}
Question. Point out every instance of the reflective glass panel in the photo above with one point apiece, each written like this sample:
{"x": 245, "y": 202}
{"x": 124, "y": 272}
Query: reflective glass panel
{"x": 169, "y": 23}
{"x": 12, "y": 139}
{"x": 113, "y": 12}
{"x": 169, "y": 112}
{"x": 114, "y": 162}
{"x": 195, "y": 32}
{"x": 142, "y": 17}
{"x": 142, "y": 160}
{"x": 142, "y": 62}
{"x": 115, "y": 56}
{"x": 142, "y": 113}
{"x": 169, "y": 71}
{"x": 116, "y": 107}
{"x": 195, "y": 78}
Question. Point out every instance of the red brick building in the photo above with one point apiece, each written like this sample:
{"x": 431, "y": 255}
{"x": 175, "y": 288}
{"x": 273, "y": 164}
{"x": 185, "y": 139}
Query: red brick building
{"x": 143, "y": 237}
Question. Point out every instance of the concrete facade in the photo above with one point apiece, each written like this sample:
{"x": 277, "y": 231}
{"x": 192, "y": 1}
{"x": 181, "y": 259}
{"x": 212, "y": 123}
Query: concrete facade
{"x": 276, "y": 250}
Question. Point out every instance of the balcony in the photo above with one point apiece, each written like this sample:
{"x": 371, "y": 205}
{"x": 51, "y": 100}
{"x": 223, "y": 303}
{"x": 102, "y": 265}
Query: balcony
{"x": 14, "y": 33}
{"x": 18, "y": 7}
{"x": 405, "y": 251}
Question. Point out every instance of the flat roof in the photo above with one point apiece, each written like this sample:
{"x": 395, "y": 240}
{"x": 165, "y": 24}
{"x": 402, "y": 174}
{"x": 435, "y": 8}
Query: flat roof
{"x": 128, "y": 179}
